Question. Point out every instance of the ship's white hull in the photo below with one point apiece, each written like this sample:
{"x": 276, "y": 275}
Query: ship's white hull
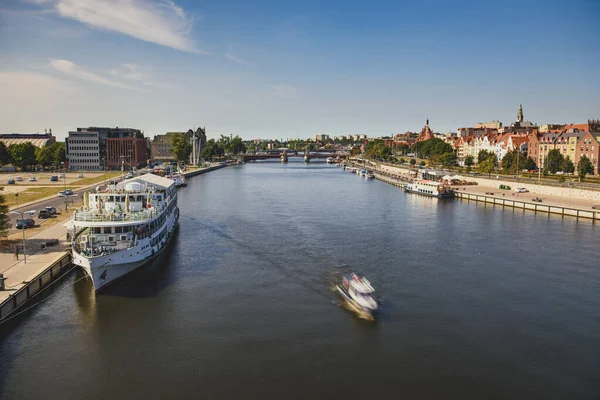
{"x": 107, "y": 268}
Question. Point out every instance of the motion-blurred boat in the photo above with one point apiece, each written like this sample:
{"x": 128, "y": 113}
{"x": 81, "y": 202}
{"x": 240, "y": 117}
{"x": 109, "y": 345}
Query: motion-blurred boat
{"x": 358, "y": 294}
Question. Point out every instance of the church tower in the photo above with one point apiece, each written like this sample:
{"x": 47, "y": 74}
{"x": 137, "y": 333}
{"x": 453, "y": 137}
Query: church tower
{"x": 520, "y": 113}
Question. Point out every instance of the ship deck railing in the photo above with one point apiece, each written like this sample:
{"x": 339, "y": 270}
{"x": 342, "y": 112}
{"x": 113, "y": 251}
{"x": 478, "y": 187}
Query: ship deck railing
{"x": 107, "y": 216}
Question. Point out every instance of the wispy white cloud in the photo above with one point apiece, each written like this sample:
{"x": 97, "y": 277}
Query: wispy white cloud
{"x": 140, "y": 74}
{"x": 235, "y": 58}
{"x": 284, "y": 91}
{"x": 69, "y": 68}
{"x": 161, "y": 22}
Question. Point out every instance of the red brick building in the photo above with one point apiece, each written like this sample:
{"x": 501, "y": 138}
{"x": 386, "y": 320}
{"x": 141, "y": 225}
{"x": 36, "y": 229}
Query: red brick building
{"x": 132, "y": 152}
{"x": 588, "y": 146}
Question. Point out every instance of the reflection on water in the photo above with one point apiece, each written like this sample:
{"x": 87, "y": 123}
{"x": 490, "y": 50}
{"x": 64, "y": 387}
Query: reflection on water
{"x": 477, "y": 302}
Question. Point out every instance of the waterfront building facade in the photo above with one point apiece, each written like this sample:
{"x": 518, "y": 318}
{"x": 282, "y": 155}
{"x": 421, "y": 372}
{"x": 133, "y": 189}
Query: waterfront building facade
{"x": 126, "y": 152}
{"x": 162, "y": 151}
{"x": 87, "y": 148}
{"x": 83, "y": 151}
{"x": 588, "y": 145}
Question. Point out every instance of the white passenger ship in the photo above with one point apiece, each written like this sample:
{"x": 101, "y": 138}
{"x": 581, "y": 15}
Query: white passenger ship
{"x": 123, "y": 227}
{"x": 429, "y": 188}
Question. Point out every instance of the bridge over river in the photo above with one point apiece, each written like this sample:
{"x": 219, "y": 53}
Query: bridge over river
{"x": 266, "y": 156}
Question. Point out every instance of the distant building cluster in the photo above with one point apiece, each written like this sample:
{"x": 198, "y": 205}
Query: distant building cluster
{"x": 99, "y": 148}
{"x": 571, "y": 140}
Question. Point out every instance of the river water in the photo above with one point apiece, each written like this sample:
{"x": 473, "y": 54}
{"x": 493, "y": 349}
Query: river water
{"x": 477, "y": 301}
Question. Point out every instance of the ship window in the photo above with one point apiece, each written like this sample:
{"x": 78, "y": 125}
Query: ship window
{"x": 123, "y": 237}
{"x": 97, "y": 230}
{"x": 111, "y": 238}
{"x": 118, "y": 229}
{"x": 107, "y": 230}
{"x": 111, "y": 198}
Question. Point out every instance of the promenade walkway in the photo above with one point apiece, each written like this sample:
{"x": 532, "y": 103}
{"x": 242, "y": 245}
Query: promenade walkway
{"x": 16, "y": 271}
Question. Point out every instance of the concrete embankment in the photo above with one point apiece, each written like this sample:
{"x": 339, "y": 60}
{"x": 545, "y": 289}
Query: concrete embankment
{"x": 578, "y": 203}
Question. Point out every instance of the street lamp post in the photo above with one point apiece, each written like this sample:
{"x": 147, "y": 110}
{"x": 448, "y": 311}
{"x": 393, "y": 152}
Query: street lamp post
{"x": 21, "y": 213}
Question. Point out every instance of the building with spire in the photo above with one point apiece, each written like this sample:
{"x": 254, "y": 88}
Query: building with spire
{"x": 520, "y": 125}
{"x": 426, "y": 133}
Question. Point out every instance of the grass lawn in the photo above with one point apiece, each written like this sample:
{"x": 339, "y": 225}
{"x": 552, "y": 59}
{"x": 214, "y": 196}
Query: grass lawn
{"x": 96, "y": 179}
{"x": 31, "y": 194}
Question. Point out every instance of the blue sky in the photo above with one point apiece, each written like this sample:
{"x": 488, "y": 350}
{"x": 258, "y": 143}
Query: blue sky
{"x": 278, "y": 69}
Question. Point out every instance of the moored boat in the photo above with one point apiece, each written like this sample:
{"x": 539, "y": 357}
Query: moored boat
{"x": 123, "y": 227}
{"x": 329, "y": 160}
{"x": 429, "y": 188}
{"x": 370, "y": 174}
{"x": 358, "y": 294}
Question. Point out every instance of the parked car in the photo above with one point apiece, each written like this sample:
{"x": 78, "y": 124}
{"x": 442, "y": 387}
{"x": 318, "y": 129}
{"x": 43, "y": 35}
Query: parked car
{"x": 521, "y": 190}
{"x": 54, "y": 178}
{"x": 61, "y": 176}
{"x": 80, "y": 175}
{"x": 11, "y": 182}
{"x": 32, "y": 179}
{"x": 19, "y": 179}
{"x": 51, "y": 210}
{"x": 25, "y": 223}
{"x": 43, "y": 214}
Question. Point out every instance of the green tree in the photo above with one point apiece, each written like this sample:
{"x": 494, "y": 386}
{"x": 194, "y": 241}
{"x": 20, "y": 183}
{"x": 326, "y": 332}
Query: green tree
{"x": 469, "y": 161}
{"x": 487, "y": 165}
{"x": 181, "y": 148}
{"x": 432, "y": 147}
{"x": 422, "y": 163}
{"x": 355, "y": 151}
{"x": 44, "y": 156}
{"x": 567, "y": 166}
{"x": 413, "y": 161}
{"x": 236, "y": 146}
{"x": 4, "y": 219}
{"x": 483, "y": 154}
{"x": 59, "y": 152}
{"x": 584, "y": 167}
{"x": 554, "y": 161}
{"x": 4, "y": 154}
{"x": 22, "y": 154}
{"x": 448, "y": 159}
{"x": 528, "y": 164}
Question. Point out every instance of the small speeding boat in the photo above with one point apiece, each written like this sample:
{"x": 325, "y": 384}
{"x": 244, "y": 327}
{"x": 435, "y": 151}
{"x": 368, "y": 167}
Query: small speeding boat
{"x": 358, "y": 294}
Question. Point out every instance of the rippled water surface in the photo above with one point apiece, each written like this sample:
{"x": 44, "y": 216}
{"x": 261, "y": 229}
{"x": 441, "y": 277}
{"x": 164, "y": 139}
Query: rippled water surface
{"x": 477, "y": 301}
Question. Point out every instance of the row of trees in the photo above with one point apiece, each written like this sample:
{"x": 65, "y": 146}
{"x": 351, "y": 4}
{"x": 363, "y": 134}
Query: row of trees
{"x": 182, "y": 148}
{"x": 556, "y": 162}
{"x": 26, "y": 155}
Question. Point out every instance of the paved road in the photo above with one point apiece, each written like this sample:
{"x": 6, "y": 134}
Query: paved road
{"x": 56, "y": 202}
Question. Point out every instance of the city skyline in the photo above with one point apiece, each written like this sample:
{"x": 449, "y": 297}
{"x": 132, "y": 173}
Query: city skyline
{"x": 294, "y": 70}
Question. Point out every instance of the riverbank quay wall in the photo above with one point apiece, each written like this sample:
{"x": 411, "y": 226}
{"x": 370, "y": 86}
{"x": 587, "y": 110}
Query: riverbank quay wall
{"x": 532, "y": 206}
{"x": 563, "y": 191}
{"x": 201, "y": 171}
{"x": 398, "y": 176}
{"x": 17, "y": 295}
